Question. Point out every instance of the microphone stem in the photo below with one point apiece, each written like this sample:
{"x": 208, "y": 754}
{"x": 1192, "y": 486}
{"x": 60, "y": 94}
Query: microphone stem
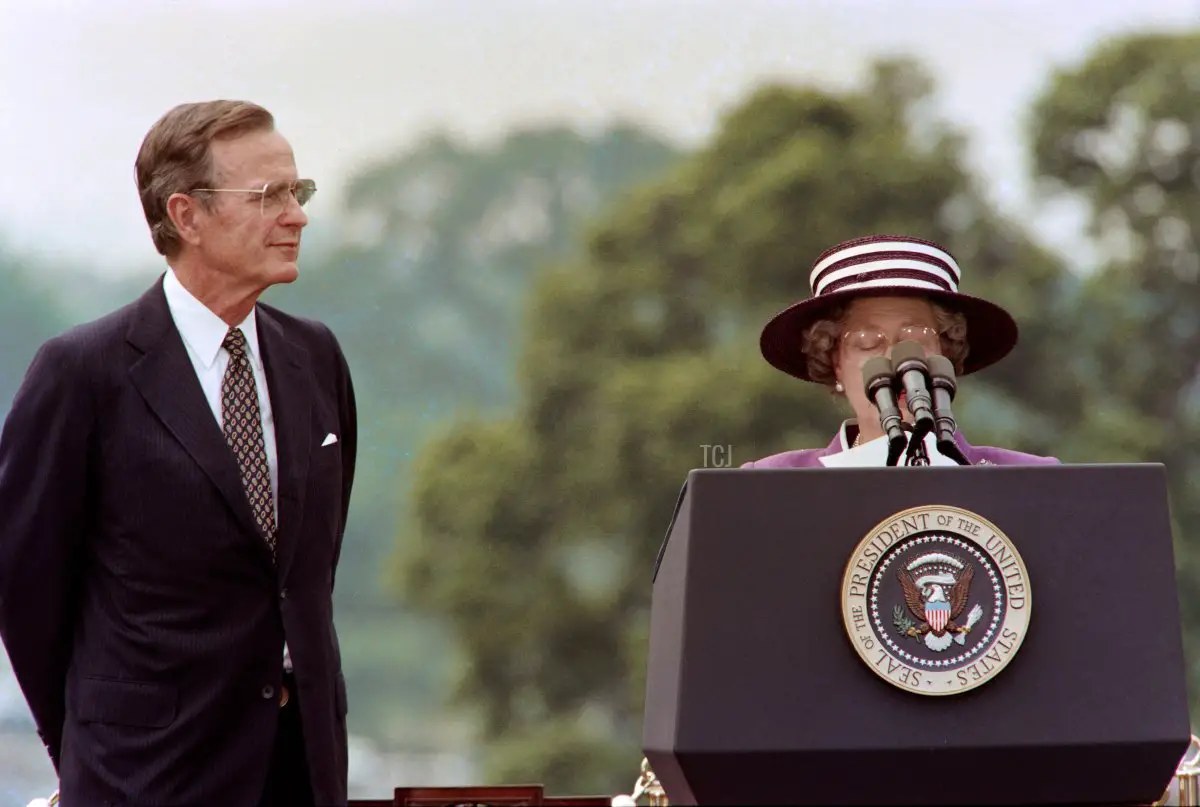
{"x": 945, "y": 439}
{"x": 949, "y": 448}
{"x": 917, "y": 456}
{"x": 916, "y": 447}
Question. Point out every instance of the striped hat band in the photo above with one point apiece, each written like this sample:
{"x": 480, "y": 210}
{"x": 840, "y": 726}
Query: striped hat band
{"x": 883, "y": 264}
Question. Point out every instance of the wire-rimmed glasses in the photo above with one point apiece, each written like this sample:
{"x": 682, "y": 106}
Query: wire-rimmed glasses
{"x": 273, "y": 196}
{"x": 873, "y": 342}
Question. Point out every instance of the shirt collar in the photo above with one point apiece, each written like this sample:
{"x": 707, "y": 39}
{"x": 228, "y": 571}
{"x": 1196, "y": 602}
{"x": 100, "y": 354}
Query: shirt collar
{"x": 201, "y": 329}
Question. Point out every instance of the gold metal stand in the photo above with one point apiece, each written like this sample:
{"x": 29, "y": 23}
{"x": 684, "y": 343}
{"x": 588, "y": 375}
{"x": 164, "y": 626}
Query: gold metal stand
{"x": 647, "y": 785}
{"x": 1184, "y": 789}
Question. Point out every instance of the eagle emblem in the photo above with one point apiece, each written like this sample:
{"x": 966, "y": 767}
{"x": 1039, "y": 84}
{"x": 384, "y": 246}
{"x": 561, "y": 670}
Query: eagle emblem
{"x": 936, "y": 590}
{"x": 938, "y": 593}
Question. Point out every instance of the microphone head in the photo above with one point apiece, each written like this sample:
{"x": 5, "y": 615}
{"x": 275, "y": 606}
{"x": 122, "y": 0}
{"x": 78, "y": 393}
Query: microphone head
{"x": 877, "y": 370}
{"x": 905, "y": 352}
{"x": 940, "y": 367}
{"x": 941, "y": 373}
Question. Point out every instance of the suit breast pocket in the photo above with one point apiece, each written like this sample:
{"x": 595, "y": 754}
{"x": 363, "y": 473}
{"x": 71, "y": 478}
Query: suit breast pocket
{"x": 326, "y": 459}
{"x": 324, "y": 499}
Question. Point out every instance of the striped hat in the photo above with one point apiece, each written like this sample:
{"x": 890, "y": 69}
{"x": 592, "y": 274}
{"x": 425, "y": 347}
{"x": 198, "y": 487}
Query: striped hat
{"x": 887, "y": 265}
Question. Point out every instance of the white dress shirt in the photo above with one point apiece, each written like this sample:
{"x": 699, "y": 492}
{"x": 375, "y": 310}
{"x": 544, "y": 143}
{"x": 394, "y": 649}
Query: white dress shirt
{"x": 874, "y": 454}
{"x": 203, "y": 333}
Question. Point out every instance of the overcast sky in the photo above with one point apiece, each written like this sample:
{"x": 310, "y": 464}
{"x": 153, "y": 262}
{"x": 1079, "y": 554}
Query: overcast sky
{"x": 83, "y": 80}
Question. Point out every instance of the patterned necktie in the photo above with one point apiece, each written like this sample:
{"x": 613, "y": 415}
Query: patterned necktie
{"x": 242, "y": 425}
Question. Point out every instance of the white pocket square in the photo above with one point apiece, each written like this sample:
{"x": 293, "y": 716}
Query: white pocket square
{"x": 330, "y": 439}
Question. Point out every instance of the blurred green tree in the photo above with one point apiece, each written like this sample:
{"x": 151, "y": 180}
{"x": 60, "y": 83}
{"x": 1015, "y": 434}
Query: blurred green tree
{"x": 423, "y": 275}
{"x": 436, "y": 247}
{"x": 536, "y": 533}
{"x": 1118, "y": 135}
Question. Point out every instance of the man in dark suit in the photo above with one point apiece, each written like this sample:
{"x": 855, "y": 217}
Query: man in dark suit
{"x": 174, "y": 484}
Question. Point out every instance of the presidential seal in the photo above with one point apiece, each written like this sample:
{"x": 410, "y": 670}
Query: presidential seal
{"x": 936, "y": 600}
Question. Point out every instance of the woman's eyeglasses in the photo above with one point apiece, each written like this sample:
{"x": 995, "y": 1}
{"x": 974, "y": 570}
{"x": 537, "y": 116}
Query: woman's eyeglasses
{"x": 874, "y": 342}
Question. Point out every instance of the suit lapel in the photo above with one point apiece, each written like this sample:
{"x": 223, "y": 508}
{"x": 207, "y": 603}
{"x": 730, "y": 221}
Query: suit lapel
{"x": 166, "y": 379}
{"x": 289, "y": 380}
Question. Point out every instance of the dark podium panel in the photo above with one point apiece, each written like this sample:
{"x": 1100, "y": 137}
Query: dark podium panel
{"x": 755, "y": 694}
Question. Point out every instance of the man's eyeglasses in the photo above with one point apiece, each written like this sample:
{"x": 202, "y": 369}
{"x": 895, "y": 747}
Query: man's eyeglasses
{"x": 873, "y": 342}
{"x": 274, "y": 197}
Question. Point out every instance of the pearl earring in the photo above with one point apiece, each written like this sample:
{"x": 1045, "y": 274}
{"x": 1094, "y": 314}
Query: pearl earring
{"x": 838, "y": 386}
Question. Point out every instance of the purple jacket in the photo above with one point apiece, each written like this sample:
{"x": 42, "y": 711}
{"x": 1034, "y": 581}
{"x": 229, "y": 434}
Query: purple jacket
{"x": 981, "y": 455}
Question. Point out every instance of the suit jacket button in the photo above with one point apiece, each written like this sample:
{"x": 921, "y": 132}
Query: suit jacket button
{"x": 283, "y": 594}
{"x": 268, "y": 692}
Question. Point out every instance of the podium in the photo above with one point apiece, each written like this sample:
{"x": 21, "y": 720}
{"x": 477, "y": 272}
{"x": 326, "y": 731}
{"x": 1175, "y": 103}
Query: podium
{"x": 806, "y": 624}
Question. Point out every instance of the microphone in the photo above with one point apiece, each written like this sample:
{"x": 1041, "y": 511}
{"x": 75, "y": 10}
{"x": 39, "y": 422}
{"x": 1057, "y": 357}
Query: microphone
{"x": 941, "y": 375}
{"x": 908, "y": 358}
{"x": 879, "y": 382}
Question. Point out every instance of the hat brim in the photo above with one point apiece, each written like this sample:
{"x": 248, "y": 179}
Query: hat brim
{"x": 992, "y": 333}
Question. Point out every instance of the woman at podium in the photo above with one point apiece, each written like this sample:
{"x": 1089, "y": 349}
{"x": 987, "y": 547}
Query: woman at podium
{"x": 870, "y": 295}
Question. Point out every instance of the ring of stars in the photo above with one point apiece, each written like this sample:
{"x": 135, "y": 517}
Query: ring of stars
{"x": 997, "y": 610}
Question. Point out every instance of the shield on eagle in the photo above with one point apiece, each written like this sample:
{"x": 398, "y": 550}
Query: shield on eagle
{"x": 937, "y": 614}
